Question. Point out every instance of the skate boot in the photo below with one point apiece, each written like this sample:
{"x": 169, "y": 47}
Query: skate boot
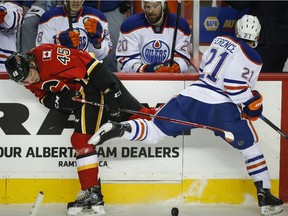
{"x": 268, "y": 203}
{"x": 88, "y": 203}
{"x": 108, "y": 131}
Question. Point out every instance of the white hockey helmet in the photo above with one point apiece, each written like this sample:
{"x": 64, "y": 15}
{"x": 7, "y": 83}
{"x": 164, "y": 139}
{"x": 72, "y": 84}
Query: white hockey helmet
{"x": 248, "y": 28}
{"x": 163, "y": 2}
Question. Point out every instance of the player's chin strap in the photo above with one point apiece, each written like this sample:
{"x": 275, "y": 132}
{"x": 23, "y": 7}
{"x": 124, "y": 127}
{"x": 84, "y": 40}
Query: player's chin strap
{"x": 229, "y": 137}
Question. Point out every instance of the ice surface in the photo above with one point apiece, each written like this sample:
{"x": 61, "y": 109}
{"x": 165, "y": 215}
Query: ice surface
{"x": 144, "y": 210}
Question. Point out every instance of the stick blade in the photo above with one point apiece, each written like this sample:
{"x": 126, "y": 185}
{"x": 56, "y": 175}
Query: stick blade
{"x": 37, "y": 204}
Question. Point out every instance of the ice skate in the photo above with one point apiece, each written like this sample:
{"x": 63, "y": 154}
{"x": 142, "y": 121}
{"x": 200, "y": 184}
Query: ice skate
{"x": 88, "y": 203}
{"x": 108, "y": 131}
{"x": 268, "y": 203}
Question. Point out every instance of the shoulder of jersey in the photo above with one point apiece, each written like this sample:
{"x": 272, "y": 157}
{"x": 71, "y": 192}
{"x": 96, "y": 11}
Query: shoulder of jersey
{"x": 93, "y": 11}
{"x": 134, "y": 22}
{"x": 248, "y": 51}
{"x": 182, "y": 24}
{"x": 54, "y": 12}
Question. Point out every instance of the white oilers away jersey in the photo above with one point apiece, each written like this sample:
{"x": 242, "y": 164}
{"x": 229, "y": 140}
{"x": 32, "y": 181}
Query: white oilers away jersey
{"x": 8, "y": 31}
{"x": 55, "y": 21}
{"x": 141, "y": 43}
{"x": 228, "y": 72}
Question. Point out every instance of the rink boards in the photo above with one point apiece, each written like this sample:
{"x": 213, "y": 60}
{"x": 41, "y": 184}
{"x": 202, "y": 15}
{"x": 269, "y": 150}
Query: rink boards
{"x": 36, "y": 155}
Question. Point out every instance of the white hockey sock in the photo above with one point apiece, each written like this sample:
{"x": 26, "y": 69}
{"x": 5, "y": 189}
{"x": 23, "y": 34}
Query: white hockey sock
{"x": 256, "y": 165}
{"x": 143, "y": 130}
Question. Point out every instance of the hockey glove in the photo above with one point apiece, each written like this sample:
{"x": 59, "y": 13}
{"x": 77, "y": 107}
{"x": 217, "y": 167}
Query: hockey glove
{"x": 253, "y": 107}
{"x": 68, "y": 38}
{"x": 149, "y": 68}
{"x": 3, "y": 13}
{"x": 160, "y": 68}
{"x": 62, "y": 100}
{"x": 94, "y": 30}
{"x": 114, "y": 100}
{"x": 174, "y": 68}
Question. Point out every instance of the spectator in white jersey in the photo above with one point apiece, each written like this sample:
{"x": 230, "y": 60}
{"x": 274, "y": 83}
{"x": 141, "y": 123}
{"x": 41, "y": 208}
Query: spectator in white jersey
{"x": 90, "y": 28}
{"x": 115, "y": 12}
{"x": 223, "y": 97}
{"x": 11, "y": 14}
{"x": 145, "y": 41}
{"x": 35, "y": 9}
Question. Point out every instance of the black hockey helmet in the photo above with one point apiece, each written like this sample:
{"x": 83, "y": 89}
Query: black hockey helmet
{"x": 17, "y": 66}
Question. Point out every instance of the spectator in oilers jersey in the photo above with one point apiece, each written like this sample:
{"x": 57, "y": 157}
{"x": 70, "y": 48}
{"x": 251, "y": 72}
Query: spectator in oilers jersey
{"x": 11, "y": 15}
{"x": 90, "y": 28}
{"x": 55, "y": 74}
{"x": 146, "y": 40}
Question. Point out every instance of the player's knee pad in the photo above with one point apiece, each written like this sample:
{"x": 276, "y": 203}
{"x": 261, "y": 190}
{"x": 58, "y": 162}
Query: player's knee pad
{"x": 252, "y": 151}
{"x": 80, "y": 143}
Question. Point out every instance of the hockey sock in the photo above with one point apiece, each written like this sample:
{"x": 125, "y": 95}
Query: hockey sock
{"x": 87, "y": 160}
{"x": 143, "y": 130}
{"x": 256, "y": 165}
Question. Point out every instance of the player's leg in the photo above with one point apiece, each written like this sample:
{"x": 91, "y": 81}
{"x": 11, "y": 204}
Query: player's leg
{"x": 149, "y": 131}
{"x": 246, "y": 140}
{"x": 258, "y": 170}
{"x": 87, "y": 120}
{"x": 90, "y": 199}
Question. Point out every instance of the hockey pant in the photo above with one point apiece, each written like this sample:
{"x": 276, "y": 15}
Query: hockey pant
{"x": 226, "y": 116}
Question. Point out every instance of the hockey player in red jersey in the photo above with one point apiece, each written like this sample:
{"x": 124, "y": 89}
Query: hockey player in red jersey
{"x": 55, "y": 74}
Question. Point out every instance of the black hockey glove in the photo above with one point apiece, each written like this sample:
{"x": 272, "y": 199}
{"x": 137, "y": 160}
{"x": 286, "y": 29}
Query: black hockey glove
{"x": 124, "y": 6}
{"x": 61, "y": 100}
{"x": 114, "y": 100}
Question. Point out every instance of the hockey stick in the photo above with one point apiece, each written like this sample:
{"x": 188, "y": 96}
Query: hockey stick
{"x": 278, "y": 130}
{"x": 229, "y": 137}
{"x": 69, "y": 15}
{"x": 37, "y": 204}
{"x": 175, "y": 33}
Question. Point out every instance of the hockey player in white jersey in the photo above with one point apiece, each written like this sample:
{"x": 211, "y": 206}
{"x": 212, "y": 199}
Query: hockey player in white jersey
{"x": 90, "y": 28}
{"x": 11, "y": 15}
{"x": 146, "y": 39}
{"x": 222, "y": 97}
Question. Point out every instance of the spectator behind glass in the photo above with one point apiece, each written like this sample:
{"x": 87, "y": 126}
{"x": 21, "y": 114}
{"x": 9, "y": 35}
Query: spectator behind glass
{"x": 115, "y": 12}
{"x": 9, "y": 12}
{"x": 146, "y": 39}
{"x": 31, "y": 20}
{"x": 273, "y": 42}
{"x": 90, "y": 28}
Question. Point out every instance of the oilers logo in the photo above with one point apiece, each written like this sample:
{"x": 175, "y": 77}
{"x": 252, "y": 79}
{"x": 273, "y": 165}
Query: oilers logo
{"x": 155, "y": 51}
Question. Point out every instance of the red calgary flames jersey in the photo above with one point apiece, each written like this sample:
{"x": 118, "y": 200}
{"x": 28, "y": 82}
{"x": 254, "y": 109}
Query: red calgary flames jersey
{"x": 59, "y": 67}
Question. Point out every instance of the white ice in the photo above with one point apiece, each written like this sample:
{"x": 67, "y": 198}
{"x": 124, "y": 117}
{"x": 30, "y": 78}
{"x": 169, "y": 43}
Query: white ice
{"x": 144, "y": 210}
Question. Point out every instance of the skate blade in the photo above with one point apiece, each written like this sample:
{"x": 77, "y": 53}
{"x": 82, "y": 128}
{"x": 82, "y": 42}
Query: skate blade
{"x": 96, "y": 210}
{"x": 271, "y": 210}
